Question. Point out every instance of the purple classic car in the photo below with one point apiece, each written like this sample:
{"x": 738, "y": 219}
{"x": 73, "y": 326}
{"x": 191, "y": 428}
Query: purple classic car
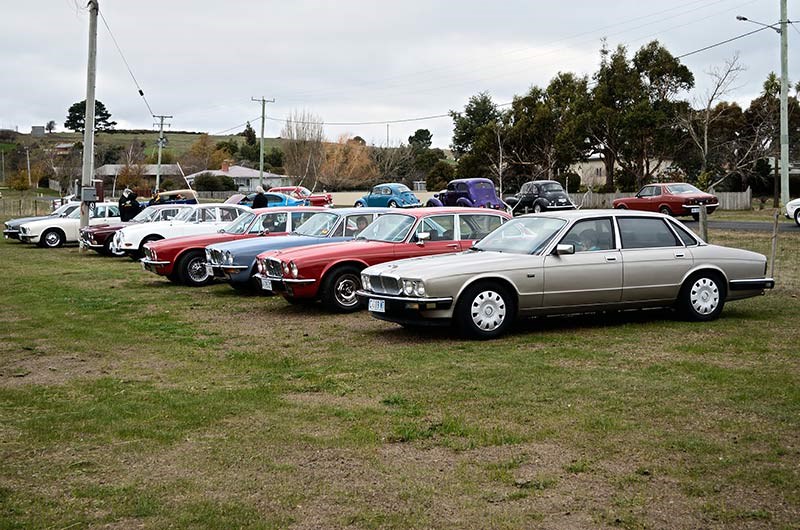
{"x": 473, "y": 193}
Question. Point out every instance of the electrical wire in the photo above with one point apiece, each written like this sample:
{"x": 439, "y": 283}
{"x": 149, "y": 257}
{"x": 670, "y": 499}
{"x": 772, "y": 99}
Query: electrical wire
{"x": 122, "y": 55}
{"x": 722, "y": 42}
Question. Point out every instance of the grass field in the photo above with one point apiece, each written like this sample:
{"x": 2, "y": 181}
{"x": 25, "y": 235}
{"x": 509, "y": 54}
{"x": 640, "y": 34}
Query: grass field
{"x": 126, "y": 401}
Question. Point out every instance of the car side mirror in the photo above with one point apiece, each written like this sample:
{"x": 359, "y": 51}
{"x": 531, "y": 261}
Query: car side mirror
{"x": 565, "y": 249}
{"x": 264, "y": 232}
{"x": 422, "y": 237}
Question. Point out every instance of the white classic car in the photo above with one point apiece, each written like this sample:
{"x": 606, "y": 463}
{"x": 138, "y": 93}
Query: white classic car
{"x": 793, "y": 210}
{"x": 53, "y": 232}
{"x": 193, "y": 220}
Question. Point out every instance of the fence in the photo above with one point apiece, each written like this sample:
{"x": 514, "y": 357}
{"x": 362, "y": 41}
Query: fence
{"x": 727, "y": 200}
{"x": 24, "y": 207}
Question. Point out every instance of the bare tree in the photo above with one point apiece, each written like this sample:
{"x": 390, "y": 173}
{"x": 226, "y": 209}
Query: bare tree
{"x": 394, "y": 163}
{"x": 304, "y": 152}
{"x": 347, "y": 165}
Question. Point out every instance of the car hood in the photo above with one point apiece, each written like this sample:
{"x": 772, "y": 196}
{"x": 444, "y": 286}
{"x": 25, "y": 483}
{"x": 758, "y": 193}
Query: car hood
{"x": 200, "y": 240}
{"x": 13, "y": 223}
{"x": 357, "y": 249}
{"x": 151, "y": 227}
{"x": 106, "y": 228}
{"x": 448, "y": 265}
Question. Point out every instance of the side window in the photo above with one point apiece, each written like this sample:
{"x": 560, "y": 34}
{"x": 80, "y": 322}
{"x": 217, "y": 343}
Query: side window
{"x": 656, "y": 191}
{"x": 440, "y": 227}
{"x": 168, "y": 213}
{"x": 356, "y": 223}
{"x": 99, "y": 211}
{"x": 228, "y": 214}
{"x": 686, "y": 236}
{"x": 591, "y": 234}
{"x": 274, "y": 222}
{"x": 206, "y": 215}
{"x": 647, "y": 191}
{"x": 113, "y": 211}
{"x": 339, "y": 230}
{"x": 451, "y": 187}
{"x": 298, "y": 218}
{"x": 387, "y": 191}
{"x": 527, "y": 188}
{"x": 376, "y": 190}
{"x": 477, "y": 226}
{"x": 274, "y": 200}
{"x": 461, "y": 187}
{"x": 644, "y": 232}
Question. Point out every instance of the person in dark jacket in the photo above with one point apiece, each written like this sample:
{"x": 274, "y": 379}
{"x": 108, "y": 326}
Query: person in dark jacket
{"x": 128, "y": 205}
{"x": 260, "y": 200}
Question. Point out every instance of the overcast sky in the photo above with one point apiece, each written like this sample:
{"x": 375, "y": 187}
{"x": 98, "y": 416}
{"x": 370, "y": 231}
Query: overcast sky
{"x": 356, "y": 61}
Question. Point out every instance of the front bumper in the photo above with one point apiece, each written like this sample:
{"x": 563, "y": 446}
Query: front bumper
{"x": 11, "y": 233}
{"x": 89, "y": 243}
{"x": 420, "y": 311}
{"x": 155, "y": 266}
{"x": 289, "y": 286}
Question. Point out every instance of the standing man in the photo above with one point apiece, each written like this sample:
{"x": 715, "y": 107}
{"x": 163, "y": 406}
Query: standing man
{"x": 260, "y": 200}
{"x": 128, "y": 205}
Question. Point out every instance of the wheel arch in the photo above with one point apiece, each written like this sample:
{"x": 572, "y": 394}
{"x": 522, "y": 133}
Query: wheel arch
{"x": 502, "y": 280}
{"x": 349, "y": 262}
{"x": 706, "y": 268}
{"x": 148, "y": 238}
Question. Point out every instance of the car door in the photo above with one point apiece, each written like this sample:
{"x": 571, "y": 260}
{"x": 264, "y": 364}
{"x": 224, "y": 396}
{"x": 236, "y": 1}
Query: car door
{"x": 592, "y": 276}
{"x": 441, "y": 237}
{"x": 376, "y": 197}
{"x": 639, "y": 201}
{"x": 654, "y": 260}
{"x": 112, "y": 214}
{"x": 298, "y": 218}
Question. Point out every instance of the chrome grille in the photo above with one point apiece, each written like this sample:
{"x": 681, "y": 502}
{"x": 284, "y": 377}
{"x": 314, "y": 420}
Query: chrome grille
{"x": 273, "y": 268}
{"x": 384, "y": 285}
{"x": 214, "y": 256}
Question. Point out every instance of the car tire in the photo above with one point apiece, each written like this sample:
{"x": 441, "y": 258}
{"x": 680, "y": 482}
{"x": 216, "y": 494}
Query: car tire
{"x": 358, "y": 204}
{"x": 339, "y": 289}
{"x": 665, "y": 210}
{"x": 392, "y": 204}
{"x": 621, "y": 207}
{"x": 797, "y": 216}
{"x": 138, "y": 254}
{"x": 192, "y": 269}
{"x": 107, "y": 251}
{"x": 702, "y": 296}
{"x": 52, "y": 238}
{"x": 538, "y": 208}
{"x": 485, "y": 310}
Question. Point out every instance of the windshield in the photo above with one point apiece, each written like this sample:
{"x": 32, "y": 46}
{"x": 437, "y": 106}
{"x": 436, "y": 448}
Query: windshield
{"x": 64, "y": 209}
{"x": 527, "y": 235}
{"x": 319, "y": 225}
{"x": 74, "y": 214}
{"x": 553, "y": 186}
{"x": 148, "y": 214}
{"x": 239, "y": 226}
{"x": 390, "y": 227}
{"x": 184, "y": 215}
{"x": 680, "y": 189}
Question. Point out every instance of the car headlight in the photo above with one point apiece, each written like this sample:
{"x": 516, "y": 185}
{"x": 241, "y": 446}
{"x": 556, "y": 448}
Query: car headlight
{"x": 228, "y": 257}
{"x": 419, "y": 288}
{"x": 413, "y": 287}
{"x": 260, "y": 266}
{"x": 408, "y": 287}
{"x": 285, "y": 267}
{"x": 365, "y": 283}
{"x": 293, "y": 269}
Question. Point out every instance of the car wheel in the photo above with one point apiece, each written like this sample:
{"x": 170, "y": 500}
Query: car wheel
{"x": 797, "y": 216}
{"x": 108, "y": 251}
{"x": 339, "y": 290}
{"x": 537, "y": 208}
{"x": 52, "y": 238}
{"x": 192, "y": 269}
{"x": 485, "y": 310}
{"x": 392, "y": 204}
{"x": 359, "y": 204}
{"x": 136, "y": 255}
{"x": 665, "y": 210}
{"x": 702, "y": 297}
{"x": 621, "y": 207}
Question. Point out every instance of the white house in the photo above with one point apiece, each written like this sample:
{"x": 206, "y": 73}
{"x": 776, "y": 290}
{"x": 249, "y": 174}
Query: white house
{"x": 593, "y": 170}
{"x": 246, "y": 179}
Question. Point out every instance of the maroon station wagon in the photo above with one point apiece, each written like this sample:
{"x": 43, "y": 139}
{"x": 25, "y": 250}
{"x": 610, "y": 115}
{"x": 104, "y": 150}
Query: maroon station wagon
{"x": 672, "y": 198}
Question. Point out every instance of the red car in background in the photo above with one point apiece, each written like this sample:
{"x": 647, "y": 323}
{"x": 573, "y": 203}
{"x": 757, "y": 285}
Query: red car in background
{"x": 332, "y": 272}
{"x": 301, "y": 192}
{"x": 183, "y": 259}
{"x": 672, "y": 198}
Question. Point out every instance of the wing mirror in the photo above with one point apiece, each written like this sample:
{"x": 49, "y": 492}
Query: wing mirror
{"x": 422, "y": 237}
{"x": 264, "y": 232}
{"x": 565, "y": 249}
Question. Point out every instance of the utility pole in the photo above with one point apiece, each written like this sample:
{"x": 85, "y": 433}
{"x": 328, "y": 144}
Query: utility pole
{"x": 161, "y": 142}
{"x": 3, "y": 161}
{"x": 784, "y": 105}
{"x": 28, "y": 156}
{"x": 261, "y": 149}
{"x": 88, "y": 122}
{"x": 387, "y": 135}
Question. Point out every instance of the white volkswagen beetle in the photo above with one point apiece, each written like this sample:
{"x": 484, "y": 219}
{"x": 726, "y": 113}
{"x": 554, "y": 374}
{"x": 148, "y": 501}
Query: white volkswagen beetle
{"x": 52, "y": 232}
{"x": 193, "y": 220}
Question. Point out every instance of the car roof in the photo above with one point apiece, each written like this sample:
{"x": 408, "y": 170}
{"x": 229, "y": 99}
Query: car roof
{"x": 476, "y": 179}
{"x": 580, "y": 214}
{"x": 434, "y": 210}
{"x": 276, "y": 209}
{"x": 353, "y": 209}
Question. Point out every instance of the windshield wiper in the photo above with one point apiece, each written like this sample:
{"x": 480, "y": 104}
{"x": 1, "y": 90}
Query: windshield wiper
{"x": 476, "y": 249}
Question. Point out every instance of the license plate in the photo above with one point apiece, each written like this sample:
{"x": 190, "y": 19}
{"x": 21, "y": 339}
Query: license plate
{"x": 266, "y": 284}
{"x": 209, "y": 269}
{"x": 144, "y": 267}
{"x": 694, "y": 210}
{"x": 377, "y": 306}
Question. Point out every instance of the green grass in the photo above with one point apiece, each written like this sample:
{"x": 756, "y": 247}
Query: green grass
{"x": 128, "y": 401}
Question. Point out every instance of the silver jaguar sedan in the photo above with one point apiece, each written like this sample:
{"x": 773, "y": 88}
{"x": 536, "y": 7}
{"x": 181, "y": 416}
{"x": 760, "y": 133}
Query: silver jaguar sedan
{"x": 565, "y": 262}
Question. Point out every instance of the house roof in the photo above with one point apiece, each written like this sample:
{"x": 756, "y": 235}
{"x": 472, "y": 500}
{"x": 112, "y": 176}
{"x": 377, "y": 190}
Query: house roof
{"x": 236, "y": 172}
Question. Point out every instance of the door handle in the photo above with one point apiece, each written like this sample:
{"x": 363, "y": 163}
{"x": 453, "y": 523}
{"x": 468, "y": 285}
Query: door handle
{"x": 679, "y": 255}
{"x": 453, "y": 245}
{"x": 611, "y": 258}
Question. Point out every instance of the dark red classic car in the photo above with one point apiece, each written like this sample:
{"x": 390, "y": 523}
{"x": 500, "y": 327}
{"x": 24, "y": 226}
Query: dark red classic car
{"x": 672, "y": 198}
{"x": 183, "y": 259}
{"x": 331, "y": 272}
{"x": 99, "y": 237}
{"x": 303, "y": 193}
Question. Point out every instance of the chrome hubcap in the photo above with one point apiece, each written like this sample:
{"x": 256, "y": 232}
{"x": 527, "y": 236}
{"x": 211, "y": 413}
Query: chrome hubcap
{"x": 197, "y": 270}
{"x": 52, "y": 239}
{"x": 346, "y": 290}
{"x": 488, "y": 311}
{"x": 704, "y": 296}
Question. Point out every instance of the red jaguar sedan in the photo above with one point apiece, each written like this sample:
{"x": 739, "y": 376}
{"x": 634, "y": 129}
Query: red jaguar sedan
{"x": 672, "y": 198}
{"x": 332, "y": 272}
{"x": 183, "y": 259}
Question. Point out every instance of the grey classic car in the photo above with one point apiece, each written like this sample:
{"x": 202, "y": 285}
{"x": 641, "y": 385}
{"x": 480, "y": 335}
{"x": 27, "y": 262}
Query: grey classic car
{"x": 565, "y": 262}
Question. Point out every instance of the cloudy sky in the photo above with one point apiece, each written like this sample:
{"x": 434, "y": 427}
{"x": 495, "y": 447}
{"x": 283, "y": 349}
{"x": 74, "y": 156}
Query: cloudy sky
{"x": 350, "y": 62}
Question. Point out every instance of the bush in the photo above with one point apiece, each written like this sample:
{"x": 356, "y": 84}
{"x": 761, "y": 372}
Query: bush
{"x": 227, "y": 183}
{"x": 208, "y": 182}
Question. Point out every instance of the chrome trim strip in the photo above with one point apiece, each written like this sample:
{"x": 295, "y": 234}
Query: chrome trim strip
{"x": 370, "y": 294}
{"x": 151, "y": 262}
{"x": 754, "y": 283}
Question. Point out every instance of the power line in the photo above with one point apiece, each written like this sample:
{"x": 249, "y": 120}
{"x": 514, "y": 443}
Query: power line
{"x": 721, "y": 43}
{"x": 141, "y": 92}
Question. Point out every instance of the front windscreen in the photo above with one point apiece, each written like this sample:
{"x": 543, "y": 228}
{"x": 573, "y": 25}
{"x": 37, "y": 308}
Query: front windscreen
{"x": 681, "y": 189}
{"x": 64, "y": 209}
{"x": 146, "y": 215}
{"x": 390, "y": 227}
{"x": 526, "y": 235}
{"x": 239, "y": 226}
{"x": 320, "y": 225}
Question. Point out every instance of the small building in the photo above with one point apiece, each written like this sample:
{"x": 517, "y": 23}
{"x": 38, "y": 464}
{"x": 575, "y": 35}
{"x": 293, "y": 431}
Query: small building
{"x": 593, "y": 170}
{"x": 37, "y": 130}
{"x": 64, "y": 148}
{"x": 109, "y": 172}
{"x": 245, "y": 178}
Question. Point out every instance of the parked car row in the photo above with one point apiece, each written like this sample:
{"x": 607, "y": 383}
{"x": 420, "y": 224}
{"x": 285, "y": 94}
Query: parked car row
{"x": 478, "y": 268}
